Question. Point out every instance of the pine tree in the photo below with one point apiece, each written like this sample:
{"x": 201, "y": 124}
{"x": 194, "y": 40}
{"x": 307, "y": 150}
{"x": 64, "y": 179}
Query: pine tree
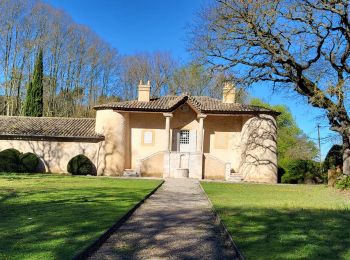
{"x": 34, "y": 99}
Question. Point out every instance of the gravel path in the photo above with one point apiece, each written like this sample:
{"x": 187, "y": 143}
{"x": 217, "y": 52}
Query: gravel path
{"x": 174, "y": 223}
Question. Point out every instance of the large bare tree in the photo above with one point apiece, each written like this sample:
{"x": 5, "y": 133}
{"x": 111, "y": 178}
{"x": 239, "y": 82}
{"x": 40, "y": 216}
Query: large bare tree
{"x": 300, "y": 45}
{"x": 158, "y": 67}
{"x": 79, "y": 67}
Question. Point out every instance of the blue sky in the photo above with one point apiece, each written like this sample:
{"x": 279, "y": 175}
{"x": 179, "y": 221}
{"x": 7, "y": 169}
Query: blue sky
{"x": 134, "y": 26}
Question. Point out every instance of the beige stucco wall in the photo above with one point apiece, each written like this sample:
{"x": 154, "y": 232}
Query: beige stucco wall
{"x": 140, "y": 122}
{"x": 222, "y": 138}
{"x": 227, "y": 128}
{"x": 259, "y": 150}
{"x": 55, "y": 155}
{"x": 184, "y": 118}
{"x": 152, "y": 166}
{"x": 213, "y": 168}
{"x": 112, "y": 153}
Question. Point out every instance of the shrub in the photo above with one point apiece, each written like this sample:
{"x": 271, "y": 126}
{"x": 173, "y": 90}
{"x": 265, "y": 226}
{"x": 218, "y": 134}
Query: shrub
{"x": 29, "y": 162}
{"x": 343, "y": 183}
{"x": 10, "y": 160}
{"x": 81, "y": 165}
{"x": 301, "y": 171}
{"x": 280, "y": 172}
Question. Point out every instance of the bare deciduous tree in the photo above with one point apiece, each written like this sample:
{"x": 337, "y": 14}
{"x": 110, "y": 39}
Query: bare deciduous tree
{"x": 79, "y": 66}
{"x": 158, "y": 67}
{"x": 303, "y": 45}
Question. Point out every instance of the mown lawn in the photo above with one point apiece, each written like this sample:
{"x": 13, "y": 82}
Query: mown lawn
{"x": 54, "y": 217}
{"x": 284, "y": 221}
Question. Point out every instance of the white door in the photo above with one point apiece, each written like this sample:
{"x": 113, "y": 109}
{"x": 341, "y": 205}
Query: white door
{"x": 184, "y": 141}
{"x": 187, "y": 140}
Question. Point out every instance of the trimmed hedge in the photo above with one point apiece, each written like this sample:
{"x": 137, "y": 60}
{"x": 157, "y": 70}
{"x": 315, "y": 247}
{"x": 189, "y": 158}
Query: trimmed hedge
{"x": 11, "y": 160}
{"x": 29, "y": 162}
{"x": 81, "y": 165}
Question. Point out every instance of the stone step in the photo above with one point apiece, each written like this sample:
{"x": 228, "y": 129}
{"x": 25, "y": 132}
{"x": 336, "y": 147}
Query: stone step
{"x": 130, "y": 173}
{"x": 235, "y": 177}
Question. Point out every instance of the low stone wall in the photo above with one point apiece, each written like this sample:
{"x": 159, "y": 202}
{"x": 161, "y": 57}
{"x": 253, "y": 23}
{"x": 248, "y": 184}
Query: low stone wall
{"x": 183, "y": 160}
{"x": 214, "y": 168}
{"x": 152, "y": 166}
{"x": 55, "y": 154}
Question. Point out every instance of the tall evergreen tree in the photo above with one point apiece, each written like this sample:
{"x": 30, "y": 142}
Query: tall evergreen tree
{"x": 34, "y": 99}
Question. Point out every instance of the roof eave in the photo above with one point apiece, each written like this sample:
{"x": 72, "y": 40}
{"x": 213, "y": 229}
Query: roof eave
{"x": 50, "y": 137}
{"x": 213, "y": 112}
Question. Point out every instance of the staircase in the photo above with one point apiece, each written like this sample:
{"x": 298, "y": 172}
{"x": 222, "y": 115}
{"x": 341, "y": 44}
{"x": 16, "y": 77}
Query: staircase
{"x": 130, "y": 173}
{"x": 235, "y": 177}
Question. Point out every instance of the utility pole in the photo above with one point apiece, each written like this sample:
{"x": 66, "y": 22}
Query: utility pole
{"x": 319, "y": 146}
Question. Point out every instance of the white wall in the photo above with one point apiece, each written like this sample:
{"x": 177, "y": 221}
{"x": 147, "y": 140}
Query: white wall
{"x": 54, "y": 154}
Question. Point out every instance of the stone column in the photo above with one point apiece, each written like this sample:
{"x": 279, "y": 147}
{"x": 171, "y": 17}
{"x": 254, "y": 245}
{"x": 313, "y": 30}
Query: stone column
{"x": 200, "y": 133}
{"x": 166, "y": 166}
{"x": 168, "y": 117}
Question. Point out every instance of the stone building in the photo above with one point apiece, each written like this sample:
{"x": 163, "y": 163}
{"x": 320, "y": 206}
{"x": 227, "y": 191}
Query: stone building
{"x": 170, "y": 136}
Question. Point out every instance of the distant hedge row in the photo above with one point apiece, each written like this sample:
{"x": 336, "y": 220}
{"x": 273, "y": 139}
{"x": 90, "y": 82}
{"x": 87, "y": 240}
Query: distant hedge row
{"x": 13, "y": 161}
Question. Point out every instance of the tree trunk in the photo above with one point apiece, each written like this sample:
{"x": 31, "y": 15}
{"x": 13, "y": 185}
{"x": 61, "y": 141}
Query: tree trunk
{"x": 346, "y": 154}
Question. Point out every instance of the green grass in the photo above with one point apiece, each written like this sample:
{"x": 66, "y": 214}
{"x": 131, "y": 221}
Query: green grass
{"x": 284, "y": 221}
{"x": 54, "y": 217}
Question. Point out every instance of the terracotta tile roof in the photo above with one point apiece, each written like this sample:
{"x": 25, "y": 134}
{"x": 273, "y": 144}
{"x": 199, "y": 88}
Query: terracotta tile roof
{"x": 163, "y": 104}
{"x": 212, "y": 105}
{"x": 201, "y": 103}
{"x": 48, "y": 127}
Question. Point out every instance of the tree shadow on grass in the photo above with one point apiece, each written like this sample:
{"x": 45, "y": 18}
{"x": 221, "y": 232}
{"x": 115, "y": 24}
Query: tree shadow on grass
{"x": 58, "y": 223}
{"x": 268, "y": 233}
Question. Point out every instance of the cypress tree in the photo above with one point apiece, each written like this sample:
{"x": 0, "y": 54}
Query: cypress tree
{"x": 34, "y": 99}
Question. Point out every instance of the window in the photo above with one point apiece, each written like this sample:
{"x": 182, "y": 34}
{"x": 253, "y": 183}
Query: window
{"x": 147, "y": 137}
{"x": 184, "y": 137}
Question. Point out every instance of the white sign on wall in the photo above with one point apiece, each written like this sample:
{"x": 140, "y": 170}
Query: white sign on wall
{"x": 148, "y": 137}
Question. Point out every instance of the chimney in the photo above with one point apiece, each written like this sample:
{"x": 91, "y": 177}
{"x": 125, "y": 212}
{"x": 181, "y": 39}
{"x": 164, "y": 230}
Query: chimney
{"x": 144, "y": 91}
{"x": 229, "y": 93}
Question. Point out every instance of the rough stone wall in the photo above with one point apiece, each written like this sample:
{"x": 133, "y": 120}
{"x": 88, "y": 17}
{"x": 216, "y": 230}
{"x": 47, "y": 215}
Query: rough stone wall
{"x": 259, "y": 150}
{"x": 54, "y": 155}
{"x": 112, "y": 152}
